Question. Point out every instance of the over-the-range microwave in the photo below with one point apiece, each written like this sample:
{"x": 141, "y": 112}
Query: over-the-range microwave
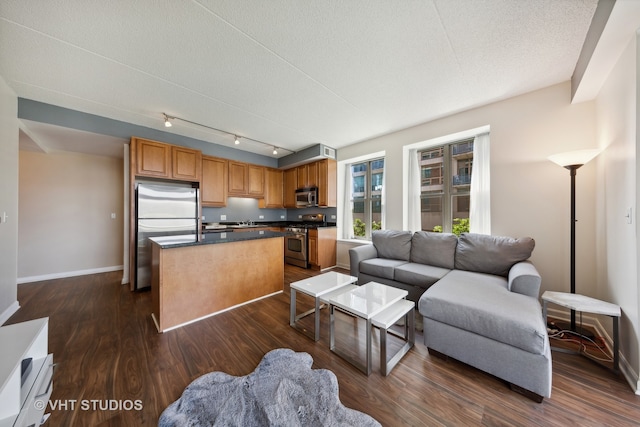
{"x": 307, "y": 197}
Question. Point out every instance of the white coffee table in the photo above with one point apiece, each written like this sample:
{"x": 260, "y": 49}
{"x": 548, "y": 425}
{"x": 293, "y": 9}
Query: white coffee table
{"x": 365, "y": 302}
{"x": 322, "y": 288}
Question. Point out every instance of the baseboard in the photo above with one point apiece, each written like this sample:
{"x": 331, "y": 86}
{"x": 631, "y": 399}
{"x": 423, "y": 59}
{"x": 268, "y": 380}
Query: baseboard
{"x": 9, "y": 312}
{"x": 629, "y": 374}
{"x": 62, "y": 275}
{"x": 345, "y": 266}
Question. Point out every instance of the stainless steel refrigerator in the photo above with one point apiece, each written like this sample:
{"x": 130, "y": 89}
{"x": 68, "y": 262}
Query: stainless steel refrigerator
{"x": 161, "y": 210}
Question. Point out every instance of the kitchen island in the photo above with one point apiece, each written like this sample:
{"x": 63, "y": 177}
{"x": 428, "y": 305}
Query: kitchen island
{"x": 197, "y": 276}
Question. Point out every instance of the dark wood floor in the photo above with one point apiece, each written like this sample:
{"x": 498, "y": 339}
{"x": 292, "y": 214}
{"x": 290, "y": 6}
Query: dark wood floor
{"x": 107, "y": 349}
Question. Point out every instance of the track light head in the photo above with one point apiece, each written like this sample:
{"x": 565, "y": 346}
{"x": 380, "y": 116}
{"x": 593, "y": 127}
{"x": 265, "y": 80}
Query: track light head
{"x": 237, "y": 140}
{"x": 167, "y": 123}
{"x": 275, "y": 151}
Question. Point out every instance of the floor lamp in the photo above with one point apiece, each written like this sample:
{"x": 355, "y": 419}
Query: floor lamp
{"x": 572, "y": 160}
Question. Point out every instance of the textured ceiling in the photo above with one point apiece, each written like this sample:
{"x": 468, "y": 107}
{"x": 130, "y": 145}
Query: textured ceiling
{"x": 288, "y": 72}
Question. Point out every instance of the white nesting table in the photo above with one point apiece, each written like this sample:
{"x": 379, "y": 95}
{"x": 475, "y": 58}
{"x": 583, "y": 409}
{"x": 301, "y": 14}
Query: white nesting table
{"x": 365, "y": 302}
{"x": 586, "y": 304}
{"x": 321, "y": 288}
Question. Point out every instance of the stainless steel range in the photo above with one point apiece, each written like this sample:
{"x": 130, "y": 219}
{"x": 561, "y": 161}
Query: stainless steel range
{"x": 296, "y": 244}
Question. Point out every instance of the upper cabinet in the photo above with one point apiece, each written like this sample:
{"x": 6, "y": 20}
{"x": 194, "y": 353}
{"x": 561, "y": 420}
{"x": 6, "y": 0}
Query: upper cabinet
{"x": 273, "y": 185}
{"x": 159, "y": 160}
{"x": 213, "y": 188}
{"x": 327, "y": 183}
{"x": 290, "y": 183}
{"x": 321, "y": 174}
{"x": 307, "y": 175}
{"x": 246, "y": 180}
{"x": 186, "y": 163}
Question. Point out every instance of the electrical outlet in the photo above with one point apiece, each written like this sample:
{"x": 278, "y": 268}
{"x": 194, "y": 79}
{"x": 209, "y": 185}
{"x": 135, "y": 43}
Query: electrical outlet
{"x": 299, "y": 216}
{"x": 260, "y": 216}
{"x": 281, "y": 216}
{"x": 113, "y": 215}
{"x": 223, "y": 217}
{"x": 203, "y": 217}
{"x": 333, "y": 217}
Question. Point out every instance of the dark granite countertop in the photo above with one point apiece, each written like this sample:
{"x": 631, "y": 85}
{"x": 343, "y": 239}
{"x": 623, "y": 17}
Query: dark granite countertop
{"x": 167, "y": 242}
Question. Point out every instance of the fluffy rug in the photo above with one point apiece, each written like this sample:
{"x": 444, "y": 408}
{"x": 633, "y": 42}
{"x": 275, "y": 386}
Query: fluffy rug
{"x": 282, "y": 391}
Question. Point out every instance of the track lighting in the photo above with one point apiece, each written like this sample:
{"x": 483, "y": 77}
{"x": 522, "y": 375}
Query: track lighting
{"x": 236, "y": 139}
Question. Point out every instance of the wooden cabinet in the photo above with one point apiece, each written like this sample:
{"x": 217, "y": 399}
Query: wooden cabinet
{"x": 290, "y": 183}
{"x": 273, "y": 186}
{"x": 186, "y": 164}
{"x": 213, "y": 188}
{"x": 307, "y": 175}
{"x": 160, "y": 160}
{"x": 327, "y": 183}
{"x": 238, "y": 184}
{"x": 246, "y": 180}
{"x": 322, "y": 247}
{"x": 255, "y": 181}
{"x": 20, "y": 397}
{"x": 152, "y": 158}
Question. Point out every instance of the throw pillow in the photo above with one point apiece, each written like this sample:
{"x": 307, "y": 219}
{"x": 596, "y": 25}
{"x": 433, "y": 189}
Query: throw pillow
{"x": 392, "y": 244}
{"x": 491, "y": 254}
{"x": 436, "y": 249}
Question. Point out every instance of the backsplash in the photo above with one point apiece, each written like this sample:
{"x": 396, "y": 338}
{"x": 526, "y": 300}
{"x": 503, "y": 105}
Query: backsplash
{"x": 244, "y": 209}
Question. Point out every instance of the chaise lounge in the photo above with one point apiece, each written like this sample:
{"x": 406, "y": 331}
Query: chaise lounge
{"x": 478, "y": 296}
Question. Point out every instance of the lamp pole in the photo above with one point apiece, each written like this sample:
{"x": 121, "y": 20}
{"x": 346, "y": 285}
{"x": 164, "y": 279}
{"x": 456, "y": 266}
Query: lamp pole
{"x": 572, "y": 172}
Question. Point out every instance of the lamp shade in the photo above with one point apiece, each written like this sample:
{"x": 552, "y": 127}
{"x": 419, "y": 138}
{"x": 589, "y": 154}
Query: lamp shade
{"x": 575, "y": 158}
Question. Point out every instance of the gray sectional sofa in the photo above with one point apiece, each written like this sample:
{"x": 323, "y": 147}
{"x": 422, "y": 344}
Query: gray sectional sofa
{"x": 478, "y": 296}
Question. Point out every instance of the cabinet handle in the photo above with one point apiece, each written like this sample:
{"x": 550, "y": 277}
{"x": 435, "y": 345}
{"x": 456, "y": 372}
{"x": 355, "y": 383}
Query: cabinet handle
{"x": 53, "y": 369}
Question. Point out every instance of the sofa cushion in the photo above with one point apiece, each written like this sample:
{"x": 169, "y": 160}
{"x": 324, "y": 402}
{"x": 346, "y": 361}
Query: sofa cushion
{"x": 419, "y": 274}
{"x": 437, "y": 249}
{"x": 482, "y": 304}
{"x": 380, "y": 267}
{"x": 392, "y": 244}
{"x": 491, "y": 254}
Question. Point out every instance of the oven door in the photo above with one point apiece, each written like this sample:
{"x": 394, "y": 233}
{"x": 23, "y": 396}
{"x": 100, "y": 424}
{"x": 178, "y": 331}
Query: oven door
{"x": 295, "y": 250}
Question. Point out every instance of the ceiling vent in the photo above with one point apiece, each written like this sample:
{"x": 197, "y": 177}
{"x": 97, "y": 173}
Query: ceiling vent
{"x": 328, "y": 152}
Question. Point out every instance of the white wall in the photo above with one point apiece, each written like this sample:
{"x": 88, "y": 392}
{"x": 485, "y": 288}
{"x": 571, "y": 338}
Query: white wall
{"x": 616, "y": 107}
{"x": 8, "y": 200}
{"x": 66, "y": 201}
{"x": 529, "y": 194}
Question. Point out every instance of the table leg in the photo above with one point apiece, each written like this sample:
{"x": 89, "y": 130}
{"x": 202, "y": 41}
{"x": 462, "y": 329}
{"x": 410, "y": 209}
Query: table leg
{"x": 368, "y": 331}
{"x": 616, "y": 344}
{"x": 317, "y": 319}
{"x": 292, "y": 308}
{"x": 331, "y": 327}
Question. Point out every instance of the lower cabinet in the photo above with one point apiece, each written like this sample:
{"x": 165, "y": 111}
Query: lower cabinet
{"x": 27, "y": 373}
{"x": 322, "y": 247}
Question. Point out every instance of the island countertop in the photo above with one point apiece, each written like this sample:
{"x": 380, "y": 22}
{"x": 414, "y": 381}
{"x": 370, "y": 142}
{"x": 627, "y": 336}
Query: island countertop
{"x": 168, "y": 242}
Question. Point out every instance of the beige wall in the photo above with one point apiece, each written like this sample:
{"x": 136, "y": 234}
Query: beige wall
{"x": 8, "y": 200}
{"x": 529, "y": 194}
{"x": 617, "y": 188}
{"x": 66, "y": 201}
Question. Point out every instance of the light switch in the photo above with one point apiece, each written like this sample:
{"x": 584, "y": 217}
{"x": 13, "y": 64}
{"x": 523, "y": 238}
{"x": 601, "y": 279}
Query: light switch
{"x": 223, "y": 217}
{"x": 113, "y": 215}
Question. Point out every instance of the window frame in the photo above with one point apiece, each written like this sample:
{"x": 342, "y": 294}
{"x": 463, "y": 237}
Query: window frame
{"x": 368, "y": 198}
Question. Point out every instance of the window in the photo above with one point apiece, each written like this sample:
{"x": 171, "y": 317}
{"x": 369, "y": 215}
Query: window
{"x": 445, "y": 198}
{"x": 366, "y": 197}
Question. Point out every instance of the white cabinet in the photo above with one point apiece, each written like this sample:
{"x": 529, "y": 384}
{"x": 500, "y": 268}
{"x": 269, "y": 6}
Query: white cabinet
{"x": 22, "y": 403}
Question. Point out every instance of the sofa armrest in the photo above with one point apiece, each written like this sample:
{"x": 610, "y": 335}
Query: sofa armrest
{"x": 358, "y": 254}
{"x": 525, "y": 279}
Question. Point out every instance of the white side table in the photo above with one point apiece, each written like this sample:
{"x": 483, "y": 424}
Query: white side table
{"x": 321, "y": 288}
{"x": 366, "y": 302}
{"x": 587, "y": 305}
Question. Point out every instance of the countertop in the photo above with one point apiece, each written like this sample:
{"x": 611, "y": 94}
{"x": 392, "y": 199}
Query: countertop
{"x": 167, "y": 242}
